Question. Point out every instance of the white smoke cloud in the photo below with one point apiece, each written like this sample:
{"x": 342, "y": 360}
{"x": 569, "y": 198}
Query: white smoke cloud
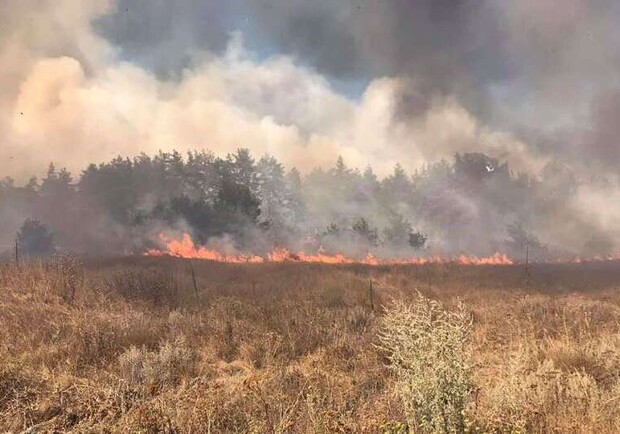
{"x": 69, "y": 98}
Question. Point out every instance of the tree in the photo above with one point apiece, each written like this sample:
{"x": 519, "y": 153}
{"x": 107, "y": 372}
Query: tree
{"x": 332, "y": 230}
{"x": 398, "y": 187}
{"x": 274, "y": 194}
{"x": 57, "y": 184}
{"x": 364, "y": 230}
{"x": 398, "y": 231}
{"x": 341, "y": 170}
{"x": 295, "y": 186}
{"x": 35, "y": 240}
{"x": 243, "y": 169}
{"x": 370, "y": 184}
{"x": 201, "y": 176}
{"x": 344, "y": 185}
{"x": 294, "y": 180}
{"x": 236, "y": 208}
{"x": 417, "y": 240}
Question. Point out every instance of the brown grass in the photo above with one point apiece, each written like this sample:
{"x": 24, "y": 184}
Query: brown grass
{"x": 127, "y": 345}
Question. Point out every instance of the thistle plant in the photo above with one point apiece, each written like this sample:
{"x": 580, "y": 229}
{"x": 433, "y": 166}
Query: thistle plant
{"x": 429, "y": 354}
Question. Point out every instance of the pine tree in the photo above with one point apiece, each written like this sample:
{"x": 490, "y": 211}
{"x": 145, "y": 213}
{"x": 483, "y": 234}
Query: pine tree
{"x": 398, "y": 186}
{"x": 35, "y": 240}
{"x": 274, "y": 194}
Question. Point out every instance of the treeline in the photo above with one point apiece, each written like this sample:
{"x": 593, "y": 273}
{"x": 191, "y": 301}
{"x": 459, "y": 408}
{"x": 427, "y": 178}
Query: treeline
{"x": 472, "y": 204}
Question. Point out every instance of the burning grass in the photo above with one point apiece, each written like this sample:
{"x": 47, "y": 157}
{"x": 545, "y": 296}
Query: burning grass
{"x": 131, "y": 345}
{"x": 186, "y": 248}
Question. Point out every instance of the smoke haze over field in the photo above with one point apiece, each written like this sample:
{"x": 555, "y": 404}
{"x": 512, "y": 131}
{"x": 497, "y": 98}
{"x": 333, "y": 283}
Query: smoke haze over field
{"x": 532, "y": 82}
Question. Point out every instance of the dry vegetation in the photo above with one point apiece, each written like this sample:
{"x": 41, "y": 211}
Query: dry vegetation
{"x": 132, "y": 346}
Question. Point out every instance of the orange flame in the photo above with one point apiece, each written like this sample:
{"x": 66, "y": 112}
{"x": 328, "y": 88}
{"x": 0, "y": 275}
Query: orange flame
{"x": 599, "y": 258}
{"x": 185, "y": 248}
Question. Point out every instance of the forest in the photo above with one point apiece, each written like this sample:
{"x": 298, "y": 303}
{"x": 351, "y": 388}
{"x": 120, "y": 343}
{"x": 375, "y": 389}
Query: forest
{"x": 238, "y": 203}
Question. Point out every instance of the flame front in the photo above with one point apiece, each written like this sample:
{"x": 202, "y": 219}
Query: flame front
{"x": 186, "y": 248}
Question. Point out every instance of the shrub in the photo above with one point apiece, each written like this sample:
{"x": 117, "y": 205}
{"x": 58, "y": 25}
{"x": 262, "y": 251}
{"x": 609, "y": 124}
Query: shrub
{"x": 368, "y": 233}
{"x": 428, "y": 351}
{"x": 536, "y": 395}
{"x": 158, "y": 286}
{"x": 35, "y": 240}
{"x": 67, "y": 274}
{"x": 166, "y": 367}
{"x": 417, "y": 240}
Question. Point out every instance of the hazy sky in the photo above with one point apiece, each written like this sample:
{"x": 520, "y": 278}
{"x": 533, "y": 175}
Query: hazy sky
{"x": 379, "y": 82}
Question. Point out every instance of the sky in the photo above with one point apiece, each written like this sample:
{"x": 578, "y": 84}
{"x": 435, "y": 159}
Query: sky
{"x": 377, "y": 82}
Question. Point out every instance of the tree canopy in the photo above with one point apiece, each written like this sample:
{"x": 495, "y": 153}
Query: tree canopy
{"x": 473, "y": 204}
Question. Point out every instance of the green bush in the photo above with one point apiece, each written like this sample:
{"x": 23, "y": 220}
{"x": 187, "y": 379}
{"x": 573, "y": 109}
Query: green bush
{"x": 429, "y": 353}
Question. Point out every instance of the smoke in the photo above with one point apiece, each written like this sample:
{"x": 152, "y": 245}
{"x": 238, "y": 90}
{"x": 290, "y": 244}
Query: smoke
{"x": 405, "y": 81}
{"x": 74, "y": 94}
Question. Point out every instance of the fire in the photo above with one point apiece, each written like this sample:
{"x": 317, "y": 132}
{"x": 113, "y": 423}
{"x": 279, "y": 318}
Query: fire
{"x": 185, "y": 248}
{"x": 497, "y": 259}
{"x": 284, "y": 255}
{"x": 599, "y": 258}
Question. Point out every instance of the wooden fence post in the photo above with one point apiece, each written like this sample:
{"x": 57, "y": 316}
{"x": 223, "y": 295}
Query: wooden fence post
{"x": 16, "y": 252}
{"x": 191, "y": 267}
{"x": 527, "y": 264}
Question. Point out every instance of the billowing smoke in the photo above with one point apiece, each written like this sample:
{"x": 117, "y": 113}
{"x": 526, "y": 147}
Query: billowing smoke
{"x": 533, "y": 83}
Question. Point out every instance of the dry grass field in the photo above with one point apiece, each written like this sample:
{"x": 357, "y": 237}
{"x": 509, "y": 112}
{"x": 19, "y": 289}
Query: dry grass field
{"x": 132, "y": 345}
